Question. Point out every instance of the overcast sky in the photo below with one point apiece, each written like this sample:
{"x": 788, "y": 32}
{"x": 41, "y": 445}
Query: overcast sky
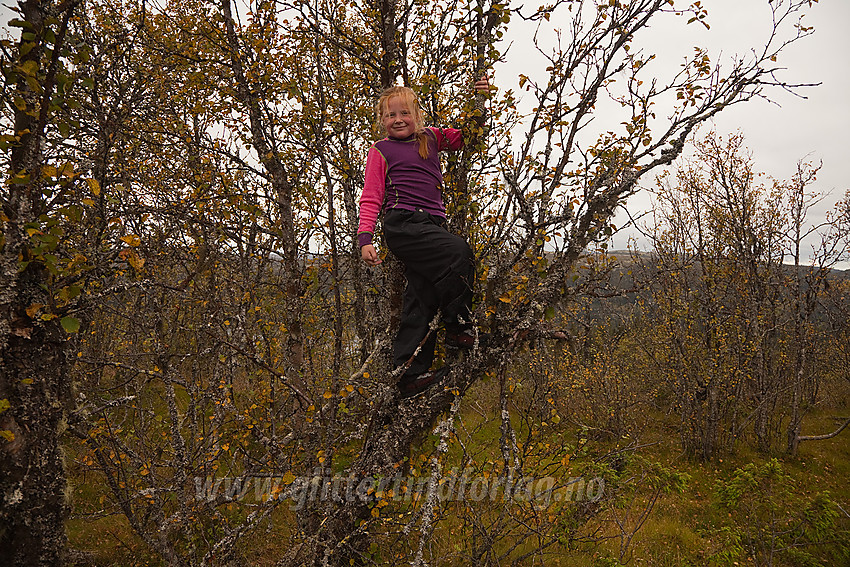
{"x": 816, "y": 128}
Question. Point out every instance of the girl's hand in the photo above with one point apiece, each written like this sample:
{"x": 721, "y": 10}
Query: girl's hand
{"x": 370, "y": 255}
{"x": 483, "y": 84}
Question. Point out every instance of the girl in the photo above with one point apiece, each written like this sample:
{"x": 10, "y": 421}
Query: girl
{"x": 403, "y": 180}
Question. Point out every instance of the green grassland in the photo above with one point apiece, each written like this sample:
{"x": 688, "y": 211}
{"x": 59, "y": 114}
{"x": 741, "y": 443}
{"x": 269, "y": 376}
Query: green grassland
{"x": 693, "y": 521}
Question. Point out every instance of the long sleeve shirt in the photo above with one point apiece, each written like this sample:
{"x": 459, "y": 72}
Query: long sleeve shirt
{"x": 397, "y": 177}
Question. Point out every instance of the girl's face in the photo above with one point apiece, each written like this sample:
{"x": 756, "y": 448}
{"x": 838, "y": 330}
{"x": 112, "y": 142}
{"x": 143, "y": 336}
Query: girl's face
{"x": 398, "y": 119}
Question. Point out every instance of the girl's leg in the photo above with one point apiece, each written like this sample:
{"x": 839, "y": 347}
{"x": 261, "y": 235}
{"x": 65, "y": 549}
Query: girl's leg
{"x": 440, "y": 272}
{"x": 419, "y": 308}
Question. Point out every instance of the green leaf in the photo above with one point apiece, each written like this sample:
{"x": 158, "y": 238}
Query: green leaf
{"x": 19, "y": 23}
{"x": 20, "y": 179}
{"x": 70, "y": 324}
{"x": 29, "y": 67}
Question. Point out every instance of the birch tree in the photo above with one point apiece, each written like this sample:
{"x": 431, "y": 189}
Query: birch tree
{"x": 196, "y": 242}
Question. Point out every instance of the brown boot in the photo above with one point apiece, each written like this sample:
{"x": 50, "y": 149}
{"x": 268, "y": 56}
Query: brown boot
{"x": 459, "y": 337}
{"x": 413, "y": 385}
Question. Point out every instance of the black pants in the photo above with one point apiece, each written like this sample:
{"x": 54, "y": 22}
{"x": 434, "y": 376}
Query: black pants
{"x": 440, "y": 273}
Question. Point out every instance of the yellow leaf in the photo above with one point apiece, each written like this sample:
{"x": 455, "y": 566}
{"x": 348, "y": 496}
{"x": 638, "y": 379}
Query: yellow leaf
{"x": 33, "y": 309}
{"x": 131, "y": 240}
{"x": 136, "y": 261}
{"x": 94, "y": 185}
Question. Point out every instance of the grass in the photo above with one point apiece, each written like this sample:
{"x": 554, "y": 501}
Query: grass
{"x": 99, "y": 534}
{"x": 685, "y": 527}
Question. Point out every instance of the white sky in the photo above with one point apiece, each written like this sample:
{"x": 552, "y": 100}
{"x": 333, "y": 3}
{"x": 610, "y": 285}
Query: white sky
{"x": 778, "y": 134}
{"x": 815, "y": 128}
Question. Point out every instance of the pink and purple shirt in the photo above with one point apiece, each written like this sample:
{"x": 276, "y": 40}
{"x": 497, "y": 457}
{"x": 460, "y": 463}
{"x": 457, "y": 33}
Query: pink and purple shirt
{"x": 397, "y": 177}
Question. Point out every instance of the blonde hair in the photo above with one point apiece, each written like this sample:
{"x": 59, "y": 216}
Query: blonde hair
{"x": 410, "y": 100}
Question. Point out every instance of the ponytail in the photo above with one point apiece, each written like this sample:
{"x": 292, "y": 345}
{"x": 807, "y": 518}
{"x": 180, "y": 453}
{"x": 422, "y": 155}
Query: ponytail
{"x": 423, "y": 144}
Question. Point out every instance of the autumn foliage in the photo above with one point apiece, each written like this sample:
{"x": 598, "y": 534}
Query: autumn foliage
{"x": 183, "y": 308}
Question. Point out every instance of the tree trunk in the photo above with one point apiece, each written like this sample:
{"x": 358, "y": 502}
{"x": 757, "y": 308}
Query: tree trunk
{"x": 394, "y": 427}
{"x": 34, "y": 381}
{"x": 265, "y": 144}
{"x": 795, "y": 443}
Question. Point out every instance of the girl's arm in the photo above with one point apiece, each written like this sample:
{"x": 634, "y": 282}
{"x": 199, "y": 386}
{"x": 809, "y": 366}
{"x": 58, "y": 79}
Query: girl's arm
{"x": 453, "y": 139}
{"x": 372, "y": 198}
